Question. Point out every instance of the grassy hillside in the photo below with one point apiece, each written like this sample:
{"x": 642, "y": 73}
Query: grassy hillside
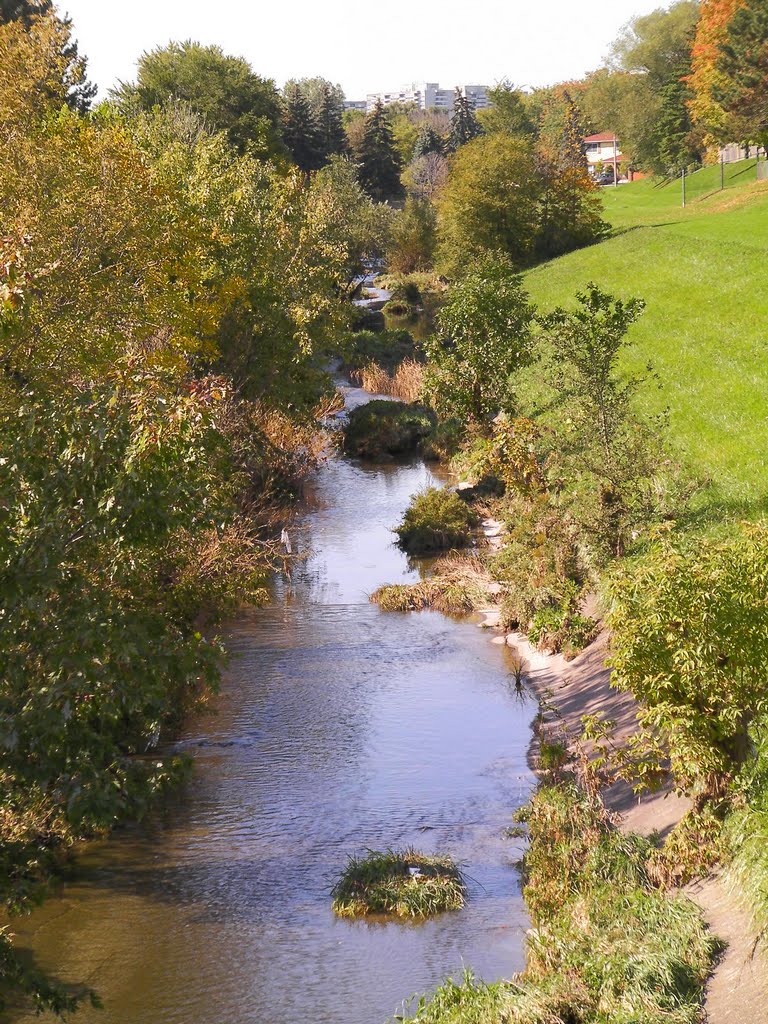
{"x": 702, "y": 272}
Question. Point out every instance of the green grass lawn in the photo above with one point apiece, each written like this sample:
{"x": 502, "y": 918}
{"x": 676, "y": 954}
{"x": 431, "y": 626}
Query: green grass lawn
{"x": 702, "y": 273}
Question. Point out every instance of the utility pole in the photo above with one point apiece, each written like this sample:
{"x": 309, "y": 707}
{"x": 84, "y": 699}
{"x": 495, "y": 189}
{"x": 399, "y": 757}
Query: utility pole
{"x": 683, "y": 180}
{"x": 722, "y": 170}
{"x": 615, "y": 169}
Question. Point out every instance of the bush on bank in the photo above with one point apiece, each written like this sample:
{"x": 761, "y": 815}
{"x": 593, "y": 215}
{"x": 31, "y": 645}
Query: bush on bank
{"x": 607, "y": 947}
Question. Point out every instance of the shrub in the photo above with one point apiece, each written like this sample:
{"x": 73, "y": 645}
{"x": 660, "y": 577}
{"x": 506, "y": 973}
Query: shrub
{"x": 399, "y": 309}
{"x": 436, "y": 519}
{"x": 387, "y": 428}
{"x": 556, "y": 628}
{"x": 405, "y": 883}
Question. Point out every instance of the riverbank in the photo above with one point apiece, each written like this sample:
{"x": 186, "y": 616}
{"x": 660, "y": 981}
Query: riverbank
{"x": 737, "y": 990}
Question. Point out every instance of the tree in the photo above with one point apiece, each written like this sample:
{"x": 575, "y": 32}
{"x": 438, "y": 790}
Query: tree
{"x": 223, "y": 89}
{"x": 501, "y": 196}
{"x": 301, "y": 132}
{"x": 655, "y": 52}
{"x": 689, "y": 628}
{"x": 508, "y": 112}
{"x": 607, "y": 454}
{"x": 378, "y": 158}
{"x": 428, "y": 141}
{"x": 414, "y": 237}
{"x": 484, "y": 338}
{"x": 464, "y": 126}
{"x": 329, "y": 109}
{"x": 743, "y": 67}
{"x": 426, "y": 176}
{"x": 572, "y": 147}
{"x": 705, "y": 77}
{"x": 74, "y": 89}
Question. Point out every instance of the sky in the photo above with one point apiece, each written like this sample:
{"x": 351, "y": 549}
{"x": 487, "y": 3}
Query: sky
{"x": 364, "y": 46}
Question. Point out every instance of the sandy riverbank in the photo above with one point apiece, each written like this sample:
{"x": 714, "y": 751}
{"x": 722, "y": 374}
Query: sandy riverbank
{"x": 737, "y": 992}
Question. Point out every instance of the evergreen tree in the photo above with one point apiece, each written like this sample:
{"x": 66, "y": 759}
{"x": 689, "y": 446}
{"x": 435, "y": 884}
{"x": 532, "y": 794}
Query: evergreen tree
{"x": 464, "y": 125}
{"x": 677, "y": 143}
{"x": 508, "y": 112}
{"x": 328, "y": 112}
{"x": 79, "y": 91}
{"x": 743, "y": 64}
{"x": 378, "y": 158}
{"x": 301, "y": 132}
{"x": 429, "y": 141}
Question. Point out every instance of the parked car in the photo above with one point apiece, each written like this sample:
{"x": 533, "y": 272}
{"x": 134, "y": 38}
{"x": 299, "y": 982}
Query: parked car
{"x": 605, "y": 178}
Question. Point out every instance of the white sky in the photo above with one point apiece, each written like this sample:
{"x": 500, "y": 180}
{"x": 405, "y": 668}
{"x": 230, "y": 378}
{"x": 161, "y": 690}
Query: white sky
{"x": 366, "y": 46}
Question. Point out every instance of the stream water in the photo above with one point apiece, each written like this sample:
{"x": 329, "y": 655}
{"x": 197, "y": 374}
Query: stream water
{"x": 338, "y": 728}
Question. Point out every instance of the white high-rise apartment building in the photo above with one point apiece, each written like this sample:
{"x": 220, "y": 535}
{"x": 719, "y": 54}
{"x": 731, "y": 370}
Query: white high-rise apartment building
{"x": 427, "y": 95}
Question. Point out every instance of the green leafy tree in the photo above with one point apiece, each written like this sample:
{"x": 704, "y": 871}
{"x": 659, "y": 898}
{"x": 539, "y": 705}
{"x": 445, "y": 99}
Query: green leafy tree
{"x": 508, "y": 112}
{"x": 690, "y": 640}
{"x": 428, "y": 141}
{"x": 464, "y": 126}
{"x": 414, "y": 237}
{"x": 223, "y": 89}
{"x": 743, "y": 65}
{"x": 378, "y": 159}
{"x": 301, "y": 131}
{"x": 610, "y": 457}
{"x": 489, "y": 203}
{"x": 484, "y": 338}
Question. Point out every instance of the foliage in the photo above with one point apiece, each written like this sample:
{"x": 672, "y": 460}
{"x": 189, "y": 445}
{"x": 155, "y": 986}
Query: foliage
{"x": 379, "y": 163}
{"x": 405, "y": 883}
{"x": 224, "y": 90}
{"x": 742, "y": 69}
{"x": 690, "y": 638}
{"x": 435, "y": 520}
{"x": 382, "y": 428}
{"x": 559, "y": 628}
{"x": 484, "y": 339}
{"x": 503, "y": 197}
{"x": 414, "y": 237}
{"x": 643, "y": 95}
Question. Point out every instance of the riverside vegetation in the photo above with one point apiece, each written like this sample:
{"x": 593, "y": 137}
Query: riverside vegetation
{"x": 405, "y": 883}
{"x": 173, "y": 277}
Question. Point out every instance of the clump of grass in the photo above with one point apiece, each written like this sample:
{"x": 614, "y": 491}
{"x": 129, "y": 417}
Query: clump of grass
{"x": 436, "y": 520}
{"x": 405, "y": 883}
{"x": 459, "y": 586}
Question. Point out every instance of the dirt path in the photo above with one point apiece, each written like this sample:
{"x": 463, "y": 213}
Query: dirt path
{"x": 737, "y": 991}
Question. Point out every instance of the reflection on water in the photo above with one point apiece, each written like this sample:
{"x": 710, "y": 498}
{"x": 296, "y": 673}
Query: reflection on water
{"x": 338, "y": 728}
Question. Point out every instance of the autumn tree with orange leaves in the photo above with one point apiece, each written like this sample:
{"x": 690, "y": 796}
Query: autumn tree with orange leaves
{"x": 707, "y": 78}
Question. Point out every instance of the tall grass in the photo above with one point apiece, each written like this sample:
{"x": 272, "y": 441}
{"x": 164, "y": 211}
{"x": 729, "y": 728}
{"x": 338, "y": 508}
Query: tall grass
{"x": 459, "y": 585}
{"x": 405, "y": 383}
{"x": 405, "y": 883}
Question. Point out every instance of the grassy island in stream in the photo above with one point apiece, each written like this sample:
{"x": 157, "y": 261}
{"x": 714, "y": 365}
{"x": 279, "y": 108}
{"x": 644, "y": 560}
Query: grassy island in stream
{"x": 404, "y": 883}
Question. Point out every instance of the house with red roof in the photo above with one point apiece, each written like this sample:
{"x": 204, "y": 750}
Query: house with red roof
{"x": 603, "y": 152}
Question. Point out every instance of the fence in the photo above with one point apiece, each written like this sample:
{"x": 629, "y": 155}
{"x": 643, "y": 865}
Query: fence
{"x": 728, "y": 173}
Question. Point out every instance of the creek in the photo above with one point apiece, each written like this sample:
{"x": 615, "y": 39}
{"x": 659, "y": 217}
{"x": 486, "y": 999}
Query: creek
{"x": 338, "y": 728}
